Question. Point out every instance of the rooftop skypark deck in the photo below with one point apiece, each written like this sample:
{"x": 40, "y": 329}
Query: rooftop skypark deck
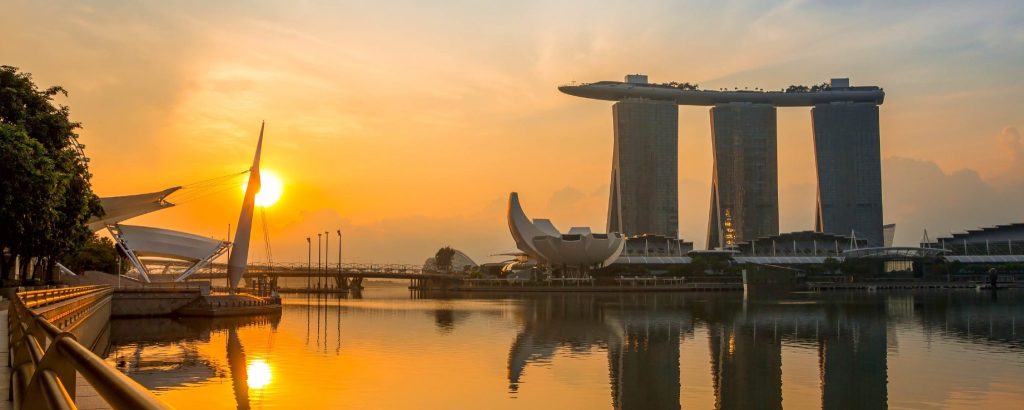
{"x": 687, "y": 94}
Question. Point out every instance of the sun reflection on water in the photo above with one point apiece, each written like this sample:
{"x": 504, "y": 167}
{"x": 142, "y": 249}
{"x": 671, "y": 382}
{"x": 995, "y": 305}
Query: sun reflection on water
{"x": 259, "y": 374}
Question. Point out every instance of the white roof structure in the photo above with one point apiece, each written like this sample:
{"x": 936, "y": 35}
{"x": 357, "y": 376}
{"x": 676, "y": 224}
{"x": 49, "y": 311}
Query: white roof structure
{"x": 120, "y": 208}
{"x": 542, "y": 241}
{"x": 985, "y": 258}
{"x": 653, "y": 260}
{"x": 143, "y": 241}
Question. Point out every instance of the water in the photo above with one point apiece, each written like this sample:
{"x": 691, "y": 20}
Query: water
{"x": 901, "y": 350}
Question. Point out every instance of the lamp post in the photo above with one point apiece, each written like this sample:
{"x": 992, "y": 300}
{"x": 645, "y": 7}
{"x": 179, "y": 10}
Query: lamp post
{"x": 309, "y": 262}
{"x": 327, "y": 254}
{"x": 319, "y": 241}
{"x": 341, "y": 279}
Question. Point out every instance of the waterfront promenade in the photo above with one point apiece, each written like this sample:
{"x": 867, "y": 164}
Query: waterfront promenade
{"x": 5, "y": 367}
{"x": 51, "y": 338}
{"x": 86, "y": 397}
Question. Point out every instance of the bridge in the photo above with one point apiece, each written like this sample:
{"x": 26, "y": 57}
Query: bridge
{"x": 302, "y": 270}
{"x": 345, "y": 275}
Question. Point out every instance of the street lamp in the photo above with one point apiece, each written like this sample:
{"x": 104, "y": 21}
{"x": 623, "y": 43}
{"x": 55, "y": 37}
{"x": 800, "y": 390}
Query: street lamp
{"x": 309, "y": 262}
{"x": 327, "y": 253}
{"x": 341, "y": 279}
{"x": 319, "y": 241}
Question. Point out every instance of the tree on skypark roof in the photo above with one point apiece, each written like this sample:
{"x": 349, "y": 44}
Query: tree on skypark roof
{"x": 45, "y": 194}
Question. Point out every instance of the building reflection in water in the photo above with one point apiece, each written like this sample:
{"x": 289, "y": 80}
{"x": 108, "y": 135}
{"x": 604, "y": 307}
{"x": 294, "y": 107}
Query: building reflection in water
{"x": 642, "y": 336}
{"x": 130, "y": 338}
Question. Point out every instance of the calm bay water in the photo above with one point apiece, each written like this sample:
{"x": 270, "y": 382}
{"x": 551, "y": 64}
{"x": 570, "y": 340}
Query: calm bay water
{"x": 388, "y": 349}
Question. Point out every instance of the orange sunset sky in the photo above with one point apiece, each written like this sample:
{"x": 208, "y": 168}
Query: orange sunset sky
{"x": 407, "y": 125}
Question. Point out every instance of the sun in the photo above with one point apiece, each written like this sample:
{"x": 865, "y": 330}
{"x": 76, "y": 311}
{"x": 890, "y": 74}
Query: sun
{"x": 271, "y": 188}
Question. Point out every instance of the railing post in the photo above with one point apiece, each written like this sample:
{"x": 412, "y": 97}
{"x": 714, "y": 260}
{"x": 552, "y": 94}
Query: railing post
{"x": 54, "y": 361}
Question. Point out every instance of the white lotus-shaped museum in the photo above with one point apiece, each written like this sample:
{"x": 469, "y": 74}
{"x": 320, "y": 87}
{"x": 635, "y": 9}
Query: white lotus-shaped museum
{"x": 541, "y": 240}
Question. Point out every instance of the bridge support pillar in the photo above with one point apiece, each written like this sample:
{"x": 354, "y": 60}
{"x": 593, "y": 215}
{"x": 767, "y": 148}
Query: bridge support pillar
{"x": 341, "y": 282}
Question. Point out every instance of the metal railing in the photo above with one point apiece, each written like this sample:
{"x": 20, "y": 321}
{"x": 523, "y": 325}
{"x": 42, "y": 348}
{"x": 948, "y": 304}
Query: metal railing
{"x": 46, "y": 357}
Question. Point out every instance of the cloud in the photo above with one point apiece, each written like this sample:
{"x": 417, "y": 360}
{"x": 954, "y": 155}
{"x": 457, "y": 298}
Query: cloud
{"x": 919, "y": 195}
{"x": 1012, "y": 146}
{"x": 567, "y": 197}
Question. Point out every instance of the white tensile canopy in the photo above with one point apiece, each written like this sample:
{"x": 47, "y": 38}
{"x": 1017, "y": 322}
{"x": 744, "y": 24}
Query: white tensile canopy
{"x": 121, "y": 208}
{"x": 144, "y": 241}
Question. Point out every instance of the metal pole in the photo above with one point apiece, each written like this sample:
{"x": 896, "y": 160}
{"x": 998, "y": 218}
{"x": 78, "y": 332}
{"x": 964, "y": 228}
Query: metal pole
{"x": 340, "y": 278}
{"x": 227, "y": 280}
{"x": 309, "y": 263}
{"x": 319, "y": 241}
{"x": 327, "y": 253}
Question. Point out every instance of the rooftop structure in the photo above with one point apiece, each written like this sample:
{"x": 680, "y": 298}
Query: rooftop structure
{"x": 139, "y": 242}
{"x": 839, "y": 90}
{"x": 120, "y": 208}
{"x": 655, "y": 246}
{"x": 802, "y": 243}
{"x": 994, "y": 240}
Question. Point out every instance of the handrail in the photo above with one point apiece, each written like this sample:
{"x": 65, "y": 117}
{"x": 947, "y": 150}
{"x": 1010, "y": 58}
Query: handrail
{"x": 46, "y": 357}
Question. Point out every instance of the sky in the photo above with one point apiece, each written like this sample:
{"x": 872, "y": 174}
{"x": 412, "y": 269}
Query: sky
{"x": 406, "y": 124}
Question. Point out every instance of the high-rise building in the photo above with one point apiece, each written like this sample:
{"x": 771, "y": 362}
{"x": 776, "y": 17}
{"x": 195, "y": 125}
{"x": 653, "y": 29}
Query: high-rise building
{"x": 848, "y": 157}
{"x": 745, "y": 178}
{"x": 745, "y": 181}
{"x": 644, "y": 187}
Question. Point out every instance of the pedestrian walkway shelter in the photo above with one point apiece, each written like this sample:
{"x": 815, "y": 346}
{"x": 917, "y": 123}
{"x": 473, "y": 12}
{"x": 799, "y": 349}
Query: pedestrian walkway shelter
{"x": 142, "y": 242}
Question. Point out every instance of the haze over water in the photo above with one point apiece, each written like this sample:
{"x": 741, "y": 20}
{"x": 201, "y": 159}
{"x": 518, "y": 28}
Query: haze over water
{"x": 390, "y": 349}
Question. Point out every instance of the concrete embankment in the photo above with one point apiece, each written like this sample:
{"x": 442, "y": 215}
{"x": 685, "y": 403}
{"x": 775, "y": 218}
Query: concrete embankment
{"x": 151, "y": 302}
{"x": 690, "y": 287}
{"x": 726, "y": 287}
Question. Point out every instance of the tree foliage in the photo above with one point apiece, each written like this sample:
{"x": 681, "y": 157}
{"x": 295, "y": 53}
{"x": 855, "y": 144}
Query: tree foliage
{"x": 443, "y": 258}
{"x": 98, "y": 253}
{"x": 45, "y": 195}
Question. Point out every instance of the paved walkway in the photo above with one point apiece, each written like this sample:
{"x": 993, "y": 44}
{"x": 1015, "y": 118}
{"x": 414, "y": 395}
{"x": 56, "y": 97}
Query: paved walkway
{"x": 86, "y": 398}
{"x": 5, "y": 365}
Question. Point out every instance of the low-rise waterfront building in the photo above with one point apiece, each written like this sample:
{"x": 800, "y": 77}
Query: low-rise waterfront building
{"x": 656, "y": 245}
{"x": 801, "y": 243}
{"x": 995, "y": 240}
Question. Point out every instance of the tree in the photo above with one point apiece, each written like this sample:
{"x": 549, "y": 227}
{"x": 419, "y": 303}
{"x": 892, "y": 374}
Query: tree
{"x": 832, "y": 265}
{"x": 28, "y": 183}
{"x": 45, "y": 195}
{"x": 443, "y": 258}
{"x": 98, "y": 253}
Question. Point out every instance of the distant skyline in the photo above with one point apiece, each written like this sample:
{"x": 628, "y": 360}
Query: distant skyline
{"x": 407, "y": 126}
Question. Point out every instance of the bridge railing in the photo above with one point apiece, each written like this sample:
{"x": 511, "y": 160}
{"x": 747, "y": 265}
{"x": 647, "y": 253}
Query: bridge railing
{"x": 45, "y": 358}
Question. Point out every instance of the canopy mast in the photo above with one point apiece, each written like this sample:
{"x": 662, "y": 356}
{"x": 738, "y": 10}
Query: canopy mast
{"x": 240, "y": 250}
